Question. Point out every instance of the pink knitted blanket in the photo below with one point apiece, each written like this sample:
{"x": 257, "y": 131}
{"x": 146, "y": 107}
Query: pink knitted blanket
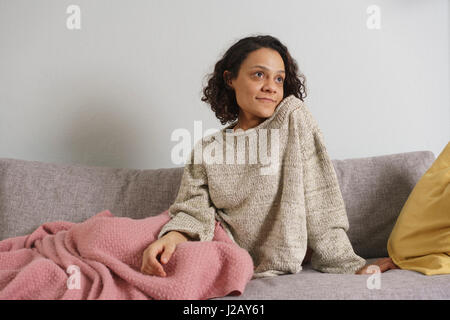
{"x": 101, "y": 258}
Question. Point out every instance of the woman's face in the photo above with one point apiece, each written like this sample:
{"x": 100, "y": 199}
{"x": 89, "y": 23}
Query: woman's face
{"x": 260, "y": 76}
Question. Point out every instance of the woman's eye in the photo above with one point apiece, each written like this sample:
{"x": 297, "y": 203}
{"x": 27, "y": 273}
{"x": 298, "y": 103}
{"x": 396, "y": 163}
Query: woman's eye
{"x": 280, "y": 79}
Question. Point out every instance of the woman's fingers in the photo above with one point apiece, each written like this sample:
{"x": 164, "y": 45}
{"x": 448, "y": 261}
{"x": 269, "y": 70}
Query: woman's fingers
{"x": 381, "y": 263}
{"x": 385, "y": 264}
{"x": 167, "y": 253}
{"x": 150, "y": 265}
{"x": 157, "y": 254}
{"x": 155, "y": 265}
{"x": 393, "y": 265}
{"x": 389, "y": 264}
{"x": 144, "y": 264}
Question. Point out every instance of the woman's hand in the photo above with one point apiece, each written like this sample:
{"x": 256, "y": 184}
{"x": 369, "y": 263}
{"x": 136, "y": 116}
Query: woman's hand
{"x": 165, "y": 246}
{"x": 384, "y": 264}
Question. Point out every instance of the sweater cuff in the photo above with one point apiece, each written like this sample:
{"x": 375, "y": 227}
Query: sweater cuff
{"x": 346, "y": 267}
{"x": 190, "y": 227}
{"x": 192, "y": 236}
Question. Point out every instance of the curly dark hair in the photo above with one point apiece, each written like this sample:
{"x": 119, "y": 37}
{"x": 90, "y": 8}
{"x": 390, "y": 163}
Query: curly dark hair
{"x": 222, "y": 98}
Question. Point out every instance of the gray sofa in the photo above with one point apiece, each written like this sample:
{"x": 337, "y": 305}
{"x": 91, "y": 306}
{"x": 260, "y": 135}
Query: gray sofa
{"x": 374, "y": 190}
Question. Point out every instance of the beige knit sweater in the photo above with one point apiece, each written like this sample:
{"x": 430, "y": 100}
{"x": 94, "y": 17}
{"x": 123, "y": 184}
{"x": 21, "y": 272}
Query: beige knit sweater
{"x": 273, "y": 207}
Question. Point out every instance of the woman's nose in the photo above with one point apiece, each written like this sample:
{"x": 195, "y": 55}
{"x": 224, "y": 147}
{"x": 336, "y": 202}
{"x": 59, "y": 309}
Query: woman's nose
{"x": 270, "y": 85}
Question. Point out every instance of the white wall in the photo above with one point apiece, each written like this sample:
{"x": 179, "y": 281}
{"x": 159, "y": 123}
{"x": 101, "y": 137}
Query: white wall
{"x": 112, "y": 93}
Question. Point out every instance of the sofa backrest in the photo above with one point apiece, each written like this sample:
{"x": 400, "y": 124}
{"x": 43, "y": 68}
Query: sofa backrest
{"x": 32, "y": 193}
{"x": 374, "y": 191}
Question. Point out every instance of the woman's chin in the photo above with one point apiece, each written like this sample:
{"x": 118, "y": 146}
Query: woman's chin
{"x": 267, "y": 114}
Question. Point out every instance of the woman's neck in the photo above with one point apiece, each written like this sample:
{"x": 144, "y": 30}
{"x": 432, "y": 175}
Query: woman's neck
{"x": 245, "y": 124}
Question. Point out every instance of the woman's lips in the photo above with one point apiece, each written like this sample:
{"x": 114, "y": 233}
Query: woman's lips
{"x": 265, "y": 100}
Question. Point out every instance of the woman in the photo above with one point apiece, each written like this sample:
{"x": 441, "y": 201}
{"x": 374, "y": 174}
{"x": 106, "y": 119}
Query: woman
{"x": 273, "y": 214}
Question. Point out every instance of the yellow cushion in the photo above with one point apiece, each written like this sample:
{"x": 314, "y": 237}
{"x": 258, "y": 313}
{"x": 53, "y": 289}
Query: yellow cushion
{"x": 420, "y": 240}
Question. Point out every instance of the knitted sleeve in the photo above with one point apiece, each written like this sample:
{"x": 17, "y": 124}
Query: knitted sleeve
{"x": 192, "y": 212}
{"x": 326, "y": 216}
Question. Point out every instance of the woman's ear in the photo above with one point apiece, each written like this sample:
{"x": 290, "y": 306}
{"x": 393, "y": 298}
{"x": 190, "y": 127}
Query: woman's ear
{"x": 226, "y": 78}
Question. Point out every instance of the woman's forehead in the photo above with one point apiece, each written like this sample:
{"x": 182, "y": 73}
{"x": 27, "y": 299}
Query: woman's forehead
{"x": 268, "y": 59}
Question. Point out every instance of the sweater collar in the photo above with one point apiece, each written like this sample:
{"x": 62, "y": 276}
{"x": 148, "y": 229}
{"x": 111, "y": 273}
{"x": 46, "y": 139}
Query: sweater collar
{"x": 276, "y": 118}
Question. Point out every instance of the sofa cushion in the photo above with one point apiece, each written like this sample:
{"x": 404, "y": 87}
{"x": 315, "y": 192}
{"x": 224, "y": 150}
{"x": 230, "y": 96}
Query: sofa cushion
{"x": 420, "y": 239}
{"x": 313, "y": 285}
